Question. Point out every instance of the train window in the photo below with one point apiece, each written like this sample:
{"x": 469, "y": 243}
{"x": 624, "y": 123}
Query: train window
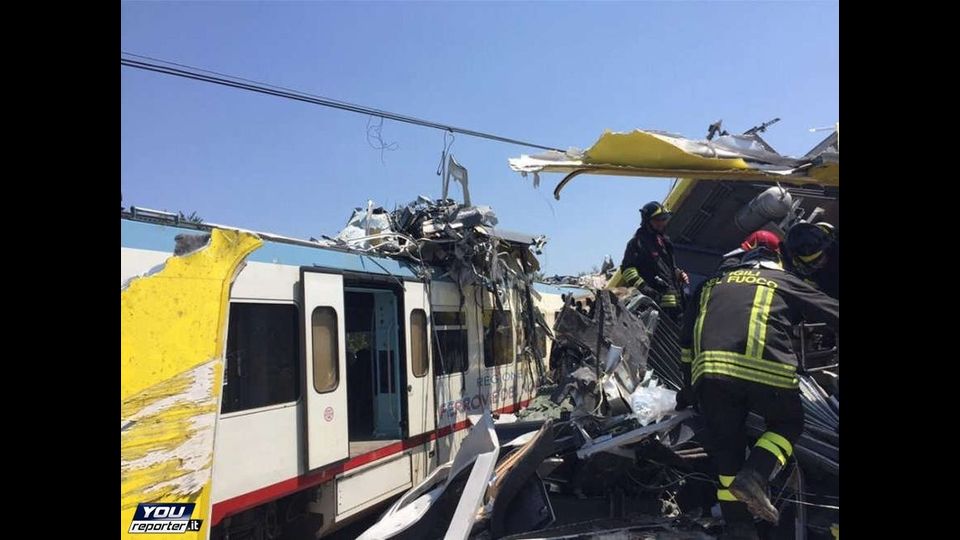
{"x": 263, "y": 352}
{"x": 418, "y": 342}
{"x": 450, "y": 343}
{"x": 326, "y": 373}
{"x": 497, "y": 337}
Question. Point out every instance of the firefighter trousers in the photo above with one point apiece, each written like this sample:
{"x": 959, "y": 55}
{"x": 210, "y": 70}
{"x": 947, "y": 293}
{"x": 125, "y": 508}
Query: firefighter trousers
{"x": 724, "y": 404}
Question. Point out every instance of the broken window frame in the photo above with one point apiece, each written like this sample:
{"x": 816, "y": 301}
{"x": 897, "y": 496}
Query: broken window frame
{"x": 455, "y": 337}
{"x": 499, "y": 352}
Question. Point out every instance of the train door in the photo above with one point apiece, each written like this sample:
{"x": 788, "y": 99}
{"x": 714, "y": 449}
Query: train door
{"x": 325, "y": 345}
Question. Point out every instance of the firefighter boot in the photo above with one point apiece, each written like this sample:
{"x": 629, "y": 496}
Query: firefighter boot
{"x": 751, "y": 488}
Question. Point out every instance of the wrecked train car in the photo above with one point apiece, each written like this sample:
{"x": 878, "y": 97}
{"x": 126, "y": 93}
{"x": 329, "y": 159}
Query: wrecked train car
{"x": 726, "y": 189}
{"x": 349, "y": 375}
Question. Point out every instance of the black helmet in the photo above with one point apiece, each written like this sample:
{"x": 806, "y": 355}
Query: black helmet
{"x": 829, "y": 229}
{"x": 653, "y": 209}
{"x": 806, "y": 243}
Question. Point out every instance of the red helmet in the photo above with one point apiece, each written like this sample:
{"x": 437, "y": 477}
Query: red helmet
{"x": 761, "y": 238}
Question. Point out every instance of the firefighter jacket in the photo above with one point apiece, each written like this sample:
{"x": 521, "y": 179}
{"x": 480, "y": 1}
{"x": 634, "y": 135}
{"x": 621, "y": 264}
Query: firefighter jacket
{"x": 738, "y": 324}
{"x": 648, "y": 265}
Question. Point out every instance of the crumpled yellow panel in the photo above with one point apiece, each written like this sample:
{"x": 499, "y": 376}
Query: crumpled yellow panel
{"x": 827, "y": 174}
{"x": 645, "y": 150}
{"x": 172, "y": 332}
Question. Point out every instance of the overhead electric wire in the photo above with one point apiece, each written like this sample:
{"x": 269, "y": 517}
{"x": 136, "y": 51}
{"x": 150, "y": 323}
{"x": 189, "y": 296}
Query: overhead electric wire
{"x": 190, "y": 72}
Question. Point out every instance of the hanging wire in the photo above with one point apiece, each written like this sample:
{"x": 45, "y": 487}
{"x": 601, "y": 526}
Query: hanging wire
{"x": 375, "y": 137}
{"x": 442, "y": 167}
{"x": 828, "y": 506}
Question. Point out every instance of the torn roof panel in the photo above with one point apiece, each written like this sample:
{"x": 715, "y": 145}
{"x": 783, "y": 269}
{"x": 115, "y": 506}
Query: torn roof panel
{"x": 656, "y": 154}
{"x": 824, "y": 169}
{"x": 515, "y": 237}
{"x": 565, "y": 289}
{"x": 655, "y": 150}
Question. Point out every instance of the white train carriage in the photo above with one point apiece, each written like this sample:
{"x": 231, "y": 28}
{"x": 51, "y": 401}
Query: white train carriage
{"x": 347, "y": 377}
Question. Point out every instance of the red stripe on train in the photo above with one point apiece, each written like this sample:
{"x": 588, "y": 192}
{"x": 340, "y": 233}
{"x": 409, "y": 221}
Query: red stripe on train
{"x": 282, "y": 489}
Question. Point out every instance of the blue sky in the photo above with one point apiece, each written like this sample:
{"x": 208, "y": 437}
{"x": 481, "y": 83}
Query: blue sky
{"x": 552, "y": 73}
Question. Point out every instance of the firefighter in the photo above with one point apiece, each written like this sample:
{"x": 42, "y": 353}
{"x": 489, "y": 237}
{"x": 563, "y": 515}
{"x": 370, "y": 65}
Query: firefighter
{"x": 738, "y": 357}
{"x": 649, "y": 265}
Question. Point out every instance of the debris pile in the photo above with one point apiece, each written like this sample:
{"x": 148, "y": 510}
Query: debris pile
{"x": 597, "y": 279}
{"x": 459, "y": 238}
{"x": 449, "y": 240}
{"x": 603, "y": 474}
{"x": 603, "y": 452}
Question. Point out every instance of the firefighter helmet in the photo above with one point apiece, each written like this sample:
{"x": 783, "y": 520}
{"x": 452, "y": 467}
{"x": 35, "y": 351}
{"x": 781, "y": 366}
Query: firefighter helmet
{"x": 806, "y": 244}
{"x": 761, "y": 238}
{"x": 654, "y": 210}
